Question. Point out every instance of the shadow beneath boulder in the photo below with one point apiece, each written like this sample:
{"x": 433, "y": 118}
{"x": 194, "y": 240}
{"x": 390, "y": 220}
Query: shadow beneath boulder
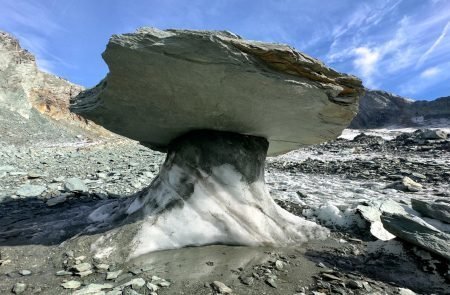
{"x": 31, "y": 221}
{"x": 402, "y": 270}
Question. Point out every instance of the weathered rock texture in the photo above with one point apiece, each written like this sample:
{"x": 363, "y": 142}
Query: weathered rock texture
{"x": 439, "y": 211}
{"x": 382, "y": 109}
{"x": 210, "y": 190}
{"x": 372, "y": 213}
{"x": 217, "y": 104}
{"x": 163, "y": 84}
{"x": 31, "y": 101}
{"x": 417, "y": 232}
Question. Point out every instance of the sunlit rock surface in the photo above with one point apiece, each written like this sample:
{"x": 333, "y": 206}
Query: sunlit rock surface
{"x": 34, "y": 105}
{"x": 417, "y": 232}
{"x": 162, "y": 84}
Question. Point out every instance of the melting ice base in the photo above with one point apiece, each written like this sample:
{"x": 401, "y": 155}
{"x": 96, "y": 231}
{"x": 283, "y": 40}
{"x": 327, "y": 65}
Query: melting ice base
{"x": 223, "y": 209}
{"x": 210, "y": 190}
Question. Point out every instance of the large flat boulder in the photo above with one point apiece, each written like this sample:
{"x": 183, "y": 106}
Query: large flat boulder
{"x": 417, "y": 232}
{"x": 439, "y": 211}
{"x": 163, "y": 84}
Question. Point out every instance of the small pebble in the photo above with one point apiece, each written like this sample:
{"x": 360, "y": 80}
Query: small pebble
{"x": 71, "y": 285}
{"x": 19, "y": 288}
{"x": 25, "y": 272}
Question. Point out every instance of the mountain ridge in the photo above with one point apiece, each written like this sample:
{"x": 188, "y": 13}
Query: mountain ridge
{"x": 34, "y": 105}
{"x": 379, "y": 109}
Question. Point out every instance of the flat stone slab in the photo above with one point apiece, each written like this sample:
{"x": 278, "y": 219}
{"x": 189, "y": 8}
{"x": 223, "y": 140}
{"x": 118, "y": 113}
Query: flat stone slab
{"x": 417, "y": 232}
{"x": 163, "y": 84}
{"x": 439, "y": 211}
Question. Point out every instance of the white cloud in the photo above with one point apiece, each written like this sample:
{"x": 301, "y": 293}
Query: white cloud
{"x": 365, "y": 62}
{"x": 435, "y": 44}
{"x": 388, "y": 41}
{"x": 32, "y": 23}
{"x": 431, "y": 77}
{"x": 430, "y": 72}
{"x": 365, "y": 16}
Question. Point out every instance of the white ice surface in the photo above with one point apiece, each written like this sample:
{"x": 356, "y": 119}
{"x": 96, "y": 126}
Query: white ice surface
{"x": 224, "y": 209}
{"x": 388, "y": 133}
{"x": 333, "y": 199}
{"x": 331, "y": 215}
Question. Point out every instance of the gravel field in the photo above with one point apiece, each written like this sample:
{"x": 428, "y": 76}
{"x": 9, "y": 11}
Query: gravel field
{"x": 47, "y": 191}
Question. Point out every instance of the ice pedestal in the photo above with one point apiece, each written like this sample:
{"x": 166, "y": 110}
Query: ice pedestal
{"x": 210, "y": 190}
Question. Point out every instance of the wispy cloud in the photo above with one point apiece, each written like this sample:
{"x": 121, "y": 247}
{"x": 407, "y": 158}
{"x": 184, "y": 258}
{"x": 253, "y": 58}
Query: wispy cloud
{"x": 365, "y": 62}
{"x": 428, "y": 79}
{"x": 32, "y": 23}
{"x": 435, "y": 44}
{"x": 387, "y": 41}
{"x": 430, "y": 72}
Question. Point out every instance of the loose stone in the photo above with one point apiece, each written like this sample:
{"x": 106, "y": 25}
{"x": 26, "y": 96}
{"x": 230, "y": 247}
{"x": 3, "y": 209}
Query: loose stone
{"x": 63, "y": 273}
{"x": 94, "y": 289}
{"x": 25, "y": 272}
{"x": 271, "y": 282}
{"x": 85, "y": 273}
{"x": 57, "y": 200}
{"x": 355, "y": 284}
{"x": 71, "y": 285}
{"x": 135, "y": 283}
{"x": 82, "y": 267}
{"x": 112, "y": 275}
{"x": 29, "y": 190}
{"x": 75, "y": 185}
{"x": 102, "y": 267}
{"x": 279, "y": 264}
{"x": 221, "y": 287}
{"x": 19, "y": 288}
{"x": 247, "y": 280}
{"x": 152, "y": 287}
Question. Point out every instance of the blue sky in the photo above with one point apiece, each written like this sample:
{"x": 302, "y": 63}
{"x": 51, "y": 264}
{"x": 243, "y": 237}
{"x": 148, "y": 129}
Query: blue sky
{"x": 401, "y": 46}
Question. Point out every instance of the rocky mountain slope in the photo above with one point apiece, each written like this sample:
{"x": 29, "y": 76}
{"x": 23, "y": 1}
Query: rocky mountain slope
{"x": 34, "y": 104}
{"x": 379, "y": 109}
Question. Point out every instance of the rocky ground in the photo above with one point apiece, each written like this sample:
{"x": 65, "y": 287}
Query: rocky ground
{"x": 45, "y": 186}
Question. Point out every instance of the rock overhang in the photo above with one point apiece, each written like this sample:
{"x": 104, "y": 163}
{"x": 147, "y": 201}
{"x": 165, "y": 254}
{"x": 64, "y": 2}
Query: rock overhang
{"x": 163, "y": 84}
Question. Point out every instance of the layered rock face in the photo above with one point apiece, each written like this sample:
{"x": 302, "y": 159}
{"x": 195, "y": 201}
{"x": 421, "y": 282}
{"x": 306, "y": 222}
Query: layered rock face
{"x": 176, "y": 81}
{"x": 379, "y": 109}
{"x": 31, "y": 100}
{"x": 217, "y": 104}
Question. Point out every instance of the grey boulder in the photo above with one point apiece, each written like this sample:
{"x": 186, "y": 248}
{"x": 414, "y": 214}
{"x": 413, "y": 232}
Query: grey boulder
{"x": 163, "y": 84}
{"x": 372, "y": 213}
{"x": 30, "y": 190}
{"x": 406, "y": 185}
{"x": 439, "y": 211}
{"x": 431, "y": 134}
{"x": 417, "y": 232}
{"x": 75, "y": 185}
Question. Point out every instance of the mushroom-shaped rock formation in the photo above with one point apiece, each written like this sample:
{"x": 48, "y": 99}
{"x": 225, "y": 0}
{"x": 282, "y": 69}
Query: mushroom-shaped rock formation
{"x": 217, "y": 104}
